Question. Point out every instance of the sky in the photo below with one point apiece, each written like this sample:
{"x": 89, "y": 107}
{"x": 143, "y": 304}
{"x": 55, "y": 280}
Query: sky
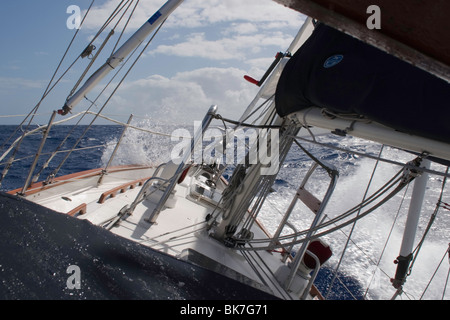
{"x": 198, "y": 59}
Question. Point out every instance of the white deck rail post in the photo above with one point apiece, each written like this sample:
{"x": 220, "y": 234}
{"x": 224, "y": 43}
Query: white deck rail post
{"x": 198, "y": 138}
{"x": 412, "y": 222}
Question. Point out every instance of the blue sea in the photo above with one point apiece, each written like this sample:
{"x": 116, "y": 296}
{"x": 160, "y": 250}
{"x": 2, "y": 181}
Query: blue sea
{"x": 366, "y": 266}
{"x": 95, "y": 138}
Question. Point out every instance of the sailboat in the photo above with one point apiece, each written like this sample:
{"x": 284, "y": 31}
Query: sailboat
{"x": 184, "y": 229}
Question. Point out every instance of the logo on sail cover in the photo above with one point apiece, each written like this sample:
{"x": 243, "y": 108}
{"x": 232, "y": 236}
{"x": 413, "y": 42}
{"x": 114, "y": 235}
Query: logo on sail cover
{"x": 332, "y": 61}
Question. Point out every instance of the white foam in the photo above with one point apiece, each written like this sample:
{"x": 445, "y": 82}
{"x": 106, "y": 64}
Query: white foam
{"x": 371, "y": 233}
{"x": 141, "y": 147}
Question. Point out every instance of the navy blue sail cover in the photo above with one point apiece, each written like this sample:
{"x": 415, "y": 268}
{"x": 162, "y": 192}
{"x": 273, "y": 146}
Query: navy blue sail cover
{"x": 38, "y": 245}
{"x": 335, "y": 71}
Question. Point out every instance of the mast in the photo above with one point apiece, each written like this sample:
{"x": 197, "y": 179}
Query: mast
{"x": 135, "y": 40}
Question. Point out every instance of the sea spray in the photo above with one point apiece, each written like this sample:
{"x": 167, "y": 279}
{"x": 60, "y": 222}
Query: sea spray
{"x": 144, "y": 143}
{"x": 375, "y": 243}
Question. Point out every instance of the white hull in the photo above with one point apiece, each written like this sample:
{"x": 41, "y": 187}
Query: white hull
{"x": 179, "y": 231}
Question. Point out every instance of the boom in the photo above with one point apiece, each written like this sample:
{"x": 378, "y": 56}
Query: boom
{"x": 135, "y": 40}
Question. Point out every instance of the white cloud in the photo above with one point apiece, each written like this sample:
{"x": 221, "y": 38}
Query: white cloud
{"x": 196, "y": 45}
{"x": 216, "y": 11}
{"x": 187, "y": 96}
{"x": 17, "y": 83}
{"x": 99, "y": 14}
{"x": 224, "y": 33}
{"x": 196, "y": 13}
{"x": 214, "y": 29}
{"x": 239, "y": 47}
{"x": 242, "y": 28}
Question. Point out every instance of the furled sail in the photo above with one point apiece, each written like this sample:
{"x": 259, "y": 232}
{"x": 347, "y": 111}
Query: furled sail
{"x": 335, "y": 71}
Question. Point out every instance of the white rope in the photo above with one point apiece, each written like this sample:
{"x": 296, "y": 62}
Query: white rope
{"x": 134, "y": 127}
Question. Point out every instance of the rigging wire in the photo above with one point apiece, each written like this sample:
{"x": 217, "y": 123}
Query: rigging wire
{"x": 248, "y": 125}
{"x": 387, "y": 240}
{"x": 401, "y": 181}
{"x": 83, "y": 114}
{"x": 183, "y": 236}
{"x": 53, "y": 174}
{"x": 261, "y": 126}
{"x": 41, "y": 128}
{"x": 88, "y": 67}
{"x": 64, "y": 151}
{"x": 117, "y": 10}
{"x": 275, "y": 207}
{"x": 448, "y": 274}
{"x": 126, "y": 24}
{"x": 447, "y": 252}
{"x": 33, "y": 112}
{"x": 50, "y": 87}
{"x": 259, "y": 262}
{"x": 354, "y": 224}
{"x": 111, "y": 95}
{"x": 270, "y": 99}
{"x": 366, "y": 155}
{"x": 64, "y": 56}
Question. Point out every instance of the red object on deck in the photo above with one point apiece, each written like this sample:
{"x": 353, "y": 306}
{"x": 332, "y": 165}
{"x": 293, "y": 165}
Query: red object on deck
{"x": 321, "y": 250}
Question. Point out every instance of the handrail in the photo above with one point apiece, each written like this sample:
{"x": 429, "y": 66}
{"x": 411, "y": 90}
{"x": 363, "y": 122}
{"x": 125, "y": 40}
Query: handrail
{"x": 110, "y": 222}
{"x": 313, "y": 277}
{"x": 300, "y": 195}
{"x": 316, "y": 221}
{"x": 141, "y": 195}
{"x": 81, "y": 209}
{"x": 295, "y": 238}
{"x": 111, "y": 193}
{"x": 197, "y": 139}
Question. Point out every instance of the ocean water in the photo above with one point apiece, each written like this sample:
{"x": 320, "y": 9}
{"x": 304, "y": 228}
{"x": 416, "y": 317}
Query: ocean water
{"x": 367, "y": 264}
